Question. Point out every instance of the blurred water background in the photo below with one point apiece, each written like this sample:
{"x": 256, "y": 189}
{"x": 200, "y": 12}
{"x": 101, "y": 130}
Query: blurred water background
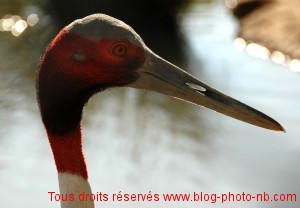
{"x": 137, "y": 141}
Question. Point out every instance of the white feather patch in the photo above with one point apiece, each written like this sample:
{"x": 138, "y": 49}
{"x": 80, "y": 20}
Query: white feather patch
{"x": 76, "y": 185}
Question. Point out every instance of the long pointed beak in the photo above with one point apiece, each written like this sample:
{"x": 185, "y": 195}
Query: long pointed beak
{"x": 161, "y": 76}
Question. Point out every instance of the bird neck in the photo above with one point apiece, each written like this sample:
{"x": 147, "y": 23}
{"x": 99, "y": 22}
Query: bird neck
{"x": 71, "y": 167}
{"x": 75, "y": 191}
{"x": 67, "y": 152}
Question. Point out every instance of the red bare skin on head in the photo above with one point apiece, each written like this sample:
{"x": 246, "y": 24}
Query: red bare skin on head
{"x": 104, "y": 61}
{"x": 72, "y": 69}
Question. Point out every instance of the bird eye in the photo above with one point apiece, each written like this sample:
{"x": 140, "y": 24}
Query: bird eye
{"x": 119, "y": 49}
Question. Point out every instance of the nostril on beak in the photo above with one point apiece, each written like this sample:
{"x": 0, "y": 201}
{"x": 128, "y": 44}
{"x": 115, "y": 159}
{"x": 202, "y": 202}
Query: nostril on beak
{"x": 196, "y": 87}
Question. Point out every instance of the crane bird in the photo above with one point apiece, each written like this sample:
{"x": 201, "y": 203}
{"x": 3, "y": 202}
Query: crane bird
{"x": 99, "y": 52}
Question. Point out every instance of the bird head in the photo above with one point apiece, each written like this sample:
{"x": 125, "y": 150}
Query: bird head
{"x": 98, "y": 52}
